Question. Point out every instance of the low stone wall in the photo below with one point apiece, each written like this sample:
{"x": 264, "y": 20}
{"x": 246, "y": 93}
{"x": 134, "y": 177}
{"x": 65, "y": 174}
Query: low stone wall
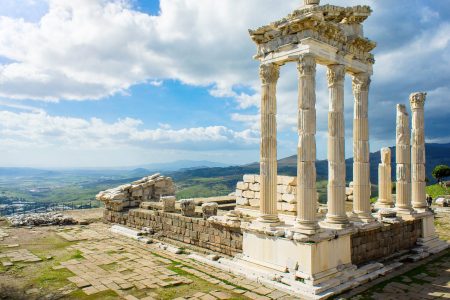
{"x": 384, "y": 241}
{"x": 189, "y": 230}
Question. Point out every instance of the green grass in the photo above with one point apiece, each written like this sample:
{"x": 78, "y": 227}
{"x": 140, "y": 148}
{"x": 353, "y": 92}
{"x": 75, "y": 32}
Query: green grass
{"x": 436, "y": 190}
{"x": 80, "y": 295}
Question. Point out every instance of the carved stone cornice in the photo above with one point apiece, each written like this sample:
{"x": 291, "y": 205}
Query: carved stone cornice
{"x": 269, "y": 73}
{"x": 329, "y": 24}
{"x": 360, "y": 82}
{"x": 417, "y": 100}
{"x": 335, "y": 74}
{"x": 306, "y": 65}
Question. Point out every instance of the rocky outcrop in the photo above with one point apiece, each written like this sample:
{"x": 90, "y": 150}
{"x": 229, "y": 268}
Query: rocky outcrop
{"x": 41, "y": 219}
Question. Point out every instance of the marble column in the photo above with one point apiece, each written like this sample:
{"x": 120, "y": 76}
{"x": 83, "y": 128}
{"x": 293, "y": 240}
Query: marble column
{"x": 384, "y": 180}
{"x": 418, "y": 193}
{"x": 336, "y": 147}
{"x": 306, "y": 152}
{"x": 269, "y": 74}
{"x": 361, "y": 151}
{"x": 403, "y": 162}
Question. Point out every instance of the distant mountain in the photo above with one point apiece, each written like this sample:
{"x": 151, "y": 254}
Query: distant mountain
{"x": 435, "y": 154}
{"x": 183, "y": 165}
{"x": 28, "y": 172}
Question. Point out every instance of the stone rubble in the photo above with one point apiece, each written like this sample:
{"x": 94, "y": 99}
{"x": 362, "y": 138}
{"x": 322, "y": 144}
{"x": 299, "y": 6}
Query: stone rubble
{"x": 150, "y": 188}
{"x": 41, "y": 219}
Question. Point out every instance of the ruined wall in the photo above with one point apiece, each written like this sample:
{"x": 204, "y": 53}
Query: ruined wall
{"x": 189, "y": 230}
{"x": 384, "y": 241}
{"x": 126, "y": 196}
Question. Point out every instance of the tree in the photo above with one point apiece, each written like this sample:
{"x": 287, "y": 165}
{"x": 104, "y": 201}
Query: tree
{"x": 440, "y": 172}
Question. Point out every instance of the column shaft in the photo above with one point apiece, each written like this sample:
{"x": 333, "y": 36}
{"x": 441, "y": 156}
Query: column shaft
{"x": 361, "y": 150}
{"x": 306, "y": 151}
{"x": 418, "y": 193}
{"x": 403, "y": 161}
{"x": 336, "y": 146}
{"x": 269, "y": 74}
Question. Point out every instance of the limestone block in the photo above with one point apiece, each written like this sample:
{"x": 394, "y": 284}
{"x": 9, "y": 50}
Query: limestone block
{"x": 209, "y": 209}
{"x": 238, "y": 193}
{"x": 249, "y": 194}
{"x": 349, "y": 191}
{"x": 256, "y": 187}
{"x": 242, "y": 201}
{"x": 168, "y": 203}
{"x": 242, "y": 185}
{"x": 139, "y": 192}
{"x": 258, "y": 195}
{"x": 288, "y": 207}
{"x": 287, "y": 180}
{"x": 290, "y": 198}
{"x": 249, "y": 178}
{"x": 254, "y": 202}
{"x": 187, "y": 207}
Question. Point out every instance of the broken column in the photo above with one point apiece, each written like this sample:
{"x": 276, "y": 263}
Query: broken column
{"x": 418, "y": 193}
{"x": 384, "y": 180}
{"x": 402, "y": 158}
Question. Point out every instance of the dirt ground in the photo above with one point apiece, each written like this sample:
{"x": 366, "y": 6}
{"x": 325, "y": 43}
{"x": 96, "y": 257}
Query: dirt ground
{"x": 88, "y": 262}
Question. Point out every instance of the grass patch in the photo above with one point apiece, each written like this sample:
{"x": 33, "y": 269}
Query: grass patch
{"x": 77, "y": 255}
{"x": 109, "y": 267}
{"x": 436, "y": 190}
{"x": 80, "y": 295}
{"x": 53, "y": 279}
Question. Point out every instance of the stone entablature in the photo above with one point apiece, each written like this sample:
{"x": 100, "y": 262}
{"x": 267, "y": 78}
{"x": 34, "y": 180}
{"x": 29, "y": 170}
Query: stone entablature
{"x": 339, "y": 28}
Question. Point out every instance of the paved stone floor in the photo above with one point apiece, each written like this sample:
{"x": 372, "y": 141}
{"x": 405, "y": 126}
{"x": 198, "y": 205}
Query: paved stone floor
{"x": 89, "y": 262}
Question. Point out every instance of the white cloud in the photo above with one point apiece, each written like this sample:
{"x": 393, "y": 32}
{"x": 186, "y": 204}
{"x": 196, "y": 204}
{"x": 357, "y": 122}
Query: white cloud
{"x": 41, "y": 130}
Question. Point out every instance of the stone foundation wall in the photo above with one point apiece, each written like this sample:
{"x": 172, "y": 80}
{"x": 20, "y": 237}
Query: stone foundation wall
{"x": 189, "y": 230}
{"x": 384, "y": 241}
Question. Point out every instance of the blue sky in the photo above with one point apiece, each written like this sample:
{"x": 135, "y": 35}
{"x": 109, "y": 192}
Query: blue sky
{"x": 116, "y": 83}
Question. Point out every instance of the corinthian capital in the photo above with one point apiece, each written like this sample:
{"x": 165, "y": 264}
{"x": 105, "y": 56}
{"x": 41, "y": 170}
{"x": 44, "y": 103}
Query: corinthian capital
{"x": 417, "y": 100}
{"x": 361, "y": 82}
{"x": 335, "y": 74}
{"x": 306, "y": 65}
{"x": 269, "y": 73}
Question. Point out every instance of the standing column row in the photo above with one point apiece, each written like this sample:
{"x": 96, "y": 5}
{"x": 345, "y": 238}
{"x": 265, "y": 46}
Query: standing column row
{"x": 269, "y": 74}
{"x": 336, "y": 147}
{"x": 361, "y": 151}
{"x": 418, "y": 195}
{"x": 306, "y": 152}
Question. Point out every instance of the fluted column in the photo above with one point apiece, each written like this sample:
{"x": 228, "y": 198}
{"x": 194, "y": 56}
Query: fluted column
{"x": 418, "y": 194}
{"x": 269, "y": 74}
{"x": 384, "y": 180}
{"x": 306, "y": 151}
{"x": 361, "y": 151}
{"x": 336, "y": 146}
{"x": 403, "y": 162}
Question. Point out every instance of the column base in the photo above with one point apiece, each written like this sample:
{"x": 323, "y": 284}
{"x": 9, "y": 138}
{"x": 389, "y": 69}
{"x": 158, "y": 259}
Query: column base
{"x": 269, "y": 219}
{"x": 307, "y": 228}
{"x": 362, "y": 217}
{"x": 336, "y": 222}
{"x": 380, "y": 205}
{"x": 406, "y": 214}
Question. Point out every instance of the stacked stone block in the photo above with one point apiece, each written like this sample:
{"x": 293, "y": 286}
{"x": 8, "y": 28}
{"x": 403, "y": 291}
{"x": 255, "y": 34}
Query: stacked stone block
{"x": 131, "y": 195}
{"x": 189, "y": 230}
{"x": 382, "y": 242}
{"x": 248, "y": 192}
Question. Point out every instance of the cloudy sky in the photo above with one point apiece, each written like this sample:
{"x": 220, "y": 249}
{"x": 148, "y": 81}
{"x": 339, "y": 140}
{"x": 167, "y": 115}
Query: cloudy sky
{"x": 92, "y": 83}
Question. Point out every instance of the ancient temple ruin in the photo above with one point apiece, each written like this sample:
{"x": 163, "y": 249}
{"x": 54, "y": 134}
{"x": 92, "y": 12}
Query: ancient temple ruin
{"x": 276, "y": 234}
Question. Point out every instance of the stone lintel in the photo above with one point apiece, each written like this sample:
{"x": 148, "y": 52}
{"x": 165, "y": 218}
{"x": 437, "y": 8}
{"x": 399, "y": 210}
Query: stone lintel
{"x": 324, "y": 53}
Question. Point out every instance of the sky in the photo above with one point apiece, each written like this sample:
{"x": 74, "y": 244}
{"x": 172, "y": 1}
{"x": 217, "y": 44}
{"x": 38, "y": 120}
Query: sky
{"x": 113, "y": 83}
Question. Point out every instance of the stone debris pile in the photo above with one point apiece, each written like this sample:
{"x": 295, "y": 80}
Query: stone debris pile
{"x": 149, "y": 188}
{"x": 349, "y": 192}
{"x": 41, "y": 219}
